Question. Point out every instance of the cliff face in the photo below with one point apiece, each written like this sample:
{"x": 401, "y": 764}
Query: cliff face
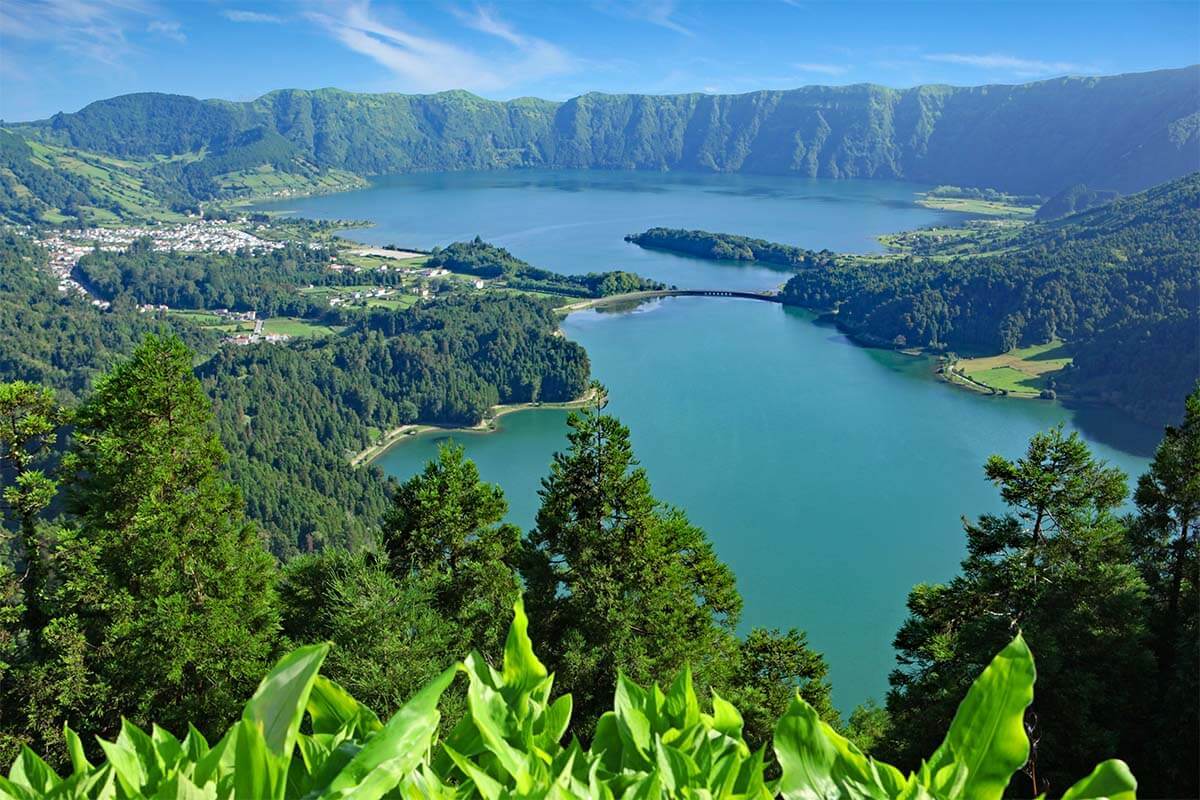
{"x": 1124, "y": 132}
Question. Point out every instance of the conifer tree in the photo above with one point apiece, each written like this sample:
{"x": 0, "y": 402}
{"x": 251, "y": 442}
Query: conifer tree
{"x": 618, "y": 581}
{"x": 166, "y": 607}
{"x": 1057, "y": 567}
{"x": 1164, "y": 537}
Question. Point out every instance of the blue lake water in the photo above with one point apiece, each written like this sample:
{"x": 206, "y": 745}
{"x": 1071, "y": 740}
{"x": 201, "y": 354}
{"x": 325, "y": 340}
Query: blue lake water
{"x": 832, "y": 478}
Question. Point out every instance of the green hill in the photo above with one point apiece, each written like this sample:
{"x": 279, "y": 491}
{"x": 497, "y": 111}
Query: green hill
{"x": 1124, "y": 132}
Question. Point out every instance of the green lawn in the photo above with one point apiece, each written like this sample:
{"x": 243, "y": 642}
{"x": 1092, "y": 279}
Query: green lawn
{"x": 966, "y": 205}
{"x": 1026, "y": 370}
{"x": 397, "y": 302}
{"x": 291, "y": 326}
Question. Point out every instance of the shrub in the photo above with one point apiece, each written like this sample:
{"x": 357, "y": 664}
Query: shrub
{"x": 302, "y": 736}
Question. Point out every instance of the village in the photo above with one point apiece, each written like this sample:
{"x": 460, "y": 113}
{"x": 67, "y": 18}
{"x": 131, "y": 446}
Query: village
{"x": 419, "y": 282}
{"x": 67, "y": 246}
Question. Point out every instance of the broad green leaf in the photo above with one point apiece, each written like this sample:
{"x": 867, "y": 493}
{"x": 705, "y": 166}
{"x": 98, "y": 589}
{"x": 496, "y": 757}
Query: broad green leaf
{"x": 277, "y": 707}
{"x": 490, "y": 714}
{"x": 522, "y": 669}
{"x": 485, "y": 784}
{"x": 817, "y": 762}
{"x": 1110, "y": 780}
{"x": 396, "y": 750}
{"x": 725, "y": 717}
{"x": 681, "y": 705}
{"x": 987, "y": 736}
{"x": 219, "y": 760}
{"x": 11, "y": 791}
{"x": 130, "y": 772}
{"x": 632, "y": 723}
{"x": 29, "y": 771}
{"x": 555, "y": 721}
{"x": 179, "y": 787}
{"x": 195, "y": 746}
{"x": 134, "y": 738}
{"x": 168, "y": 748}
{"x": 257, "y": 774}
{"x": 330, "y": 708}
{"x": 79, "y": 761}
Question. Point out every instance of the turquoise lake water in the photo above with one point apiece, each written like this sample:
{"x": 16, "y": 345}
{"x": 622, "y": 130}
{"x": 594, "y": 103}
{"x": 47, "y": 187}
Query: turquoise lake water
{"x": 830, "y": 477}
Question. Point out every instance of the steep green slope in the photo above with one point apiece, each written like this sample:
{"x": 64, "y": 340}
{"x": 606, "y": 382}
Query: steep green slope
{"x": 1120, "y": 283}
{"x": 1124, "y": 132}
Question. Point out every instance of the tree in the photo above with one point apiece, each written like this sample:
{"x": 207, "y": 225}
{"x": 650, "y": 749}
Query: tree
{"x": 388, "y": 639}
{"x": 621, "y": 582}
{"x": 444, "y": 583}
{"x": 1057, "y": 485}
{"x": 165, "y": 607}
{"x": 445, "y": 528}
{"x": 1058, "y": 568}
{"x": 770, "y": 669}
{"x": 29, "y": 421}
{"x": 1165, "y": 548}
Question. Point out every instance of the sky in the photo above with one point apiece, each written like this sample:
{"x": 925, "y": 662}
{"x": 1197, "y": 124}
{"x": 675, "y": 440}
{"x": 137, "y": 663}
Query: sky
{"x": 59, "y": 55}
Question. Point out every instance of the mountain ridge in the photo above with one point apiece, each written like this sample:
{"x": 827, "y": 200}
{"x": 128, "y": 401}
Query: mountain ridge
{"x": 1123, "y": 132}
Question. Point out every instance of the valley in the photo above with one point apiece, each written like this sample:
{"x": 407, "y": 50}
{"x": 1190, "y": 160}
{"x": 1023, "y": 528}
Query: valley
{"x": 822, "y": 395}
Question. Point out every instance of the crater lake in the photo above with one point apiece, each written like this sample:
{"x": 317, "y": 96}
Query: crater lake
{"x": 831, "y": 477}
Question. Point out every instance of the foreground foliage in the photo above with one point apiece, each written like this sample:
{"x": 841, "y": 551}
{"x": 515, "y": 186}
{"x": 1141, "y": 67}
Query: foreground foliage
{"x": 652, "y": 744}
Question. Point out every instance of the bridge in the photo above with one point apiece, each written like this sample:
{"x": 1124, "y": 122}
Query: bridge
{"x": 650, "y": 295}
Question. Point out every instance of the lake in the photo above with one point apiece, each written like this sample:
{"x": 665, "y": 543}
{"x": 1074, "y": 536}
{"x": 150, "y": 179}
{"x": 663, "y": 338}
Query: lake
{"x": 831, "y": 477}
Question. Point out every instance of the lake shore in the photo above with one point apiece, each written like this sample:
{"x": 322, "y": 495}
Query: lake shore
{"x": 486, "y": 425}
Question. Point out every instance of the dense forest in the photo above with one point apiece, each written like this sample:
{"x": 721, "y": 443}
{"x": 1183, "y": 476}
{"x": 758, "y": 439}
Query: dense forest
{"x": 149, "y": 598}
{"x": 293, "y": 416}
{"x": 446, "y": 362}
{"x": 730, "y": 247}
{"x": 1123, "y": 132}
{"x": 58, "y": 340}
{"x": 485, "y": 260}
{"x": 1119, "y": 282}
{"x": 260, "y": 280}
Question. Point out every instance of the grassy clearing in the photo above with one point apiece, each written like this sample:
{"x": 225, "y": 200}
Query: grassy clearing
{"x": 395, "y": 302}
{"x": 1025, "y": 371}
{"x": 291, "y": 326}
{"x": 210, "y": 321}
{"x": 987, "y": 208}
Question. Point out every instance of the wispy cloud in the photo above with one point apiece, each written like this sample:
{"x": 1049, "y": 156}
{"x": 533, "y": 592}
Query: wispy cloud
{"x": 822, "y": 69}
{"x": 424, "y": 63}
{"x": 663, "y": 13}
{"x": 168, "y": 28}
{"x": 238, "y": 15}
{"x": 1024, "y": 67}
{"x": 91, "y": 30}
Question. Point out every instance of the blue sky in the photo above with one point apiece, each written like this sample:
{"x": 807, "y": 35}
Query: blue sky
{"x": 61, "y": 54}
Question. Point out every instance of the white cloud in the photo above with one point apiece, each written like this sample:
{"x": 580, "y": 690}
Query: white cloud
{"x": 93, "y": 30}
{"x": 167, "y": 28}
{"x": 1024, "y": 67}
{"x": 426, "y": 64}
{"x": 236, "y": 15}
{"x": 656, "y": 12}
{"x": 823, "y": 69}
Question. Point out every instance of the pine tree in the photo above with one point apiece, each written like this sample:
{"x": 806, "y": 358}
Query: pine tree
{"x": 166, "y": 605}
{"x": 617, "y": 580}
{"x": 1164, "y": 538}
{"x": 445, "y": 529}
{"x": 1058, "y": 568}
{"x": 29, "y": 422}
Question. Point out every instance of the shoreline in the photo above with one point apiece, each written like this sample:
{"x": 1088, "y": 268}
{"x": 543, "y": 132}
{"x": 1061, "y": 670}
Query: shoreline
{"x": 486, "y": 425}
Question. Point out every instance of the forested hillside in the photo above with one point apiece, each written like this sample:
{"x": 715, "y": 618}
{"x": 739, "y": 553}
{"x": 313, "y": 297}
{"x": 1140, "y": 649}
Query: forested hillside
{"x": 1123, "y": 132}
{"x": 134, "y": 590}
{"x": 291, "y": 416}
{"x": 489, "y": 261}
{"x": 1119, "y": 282}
